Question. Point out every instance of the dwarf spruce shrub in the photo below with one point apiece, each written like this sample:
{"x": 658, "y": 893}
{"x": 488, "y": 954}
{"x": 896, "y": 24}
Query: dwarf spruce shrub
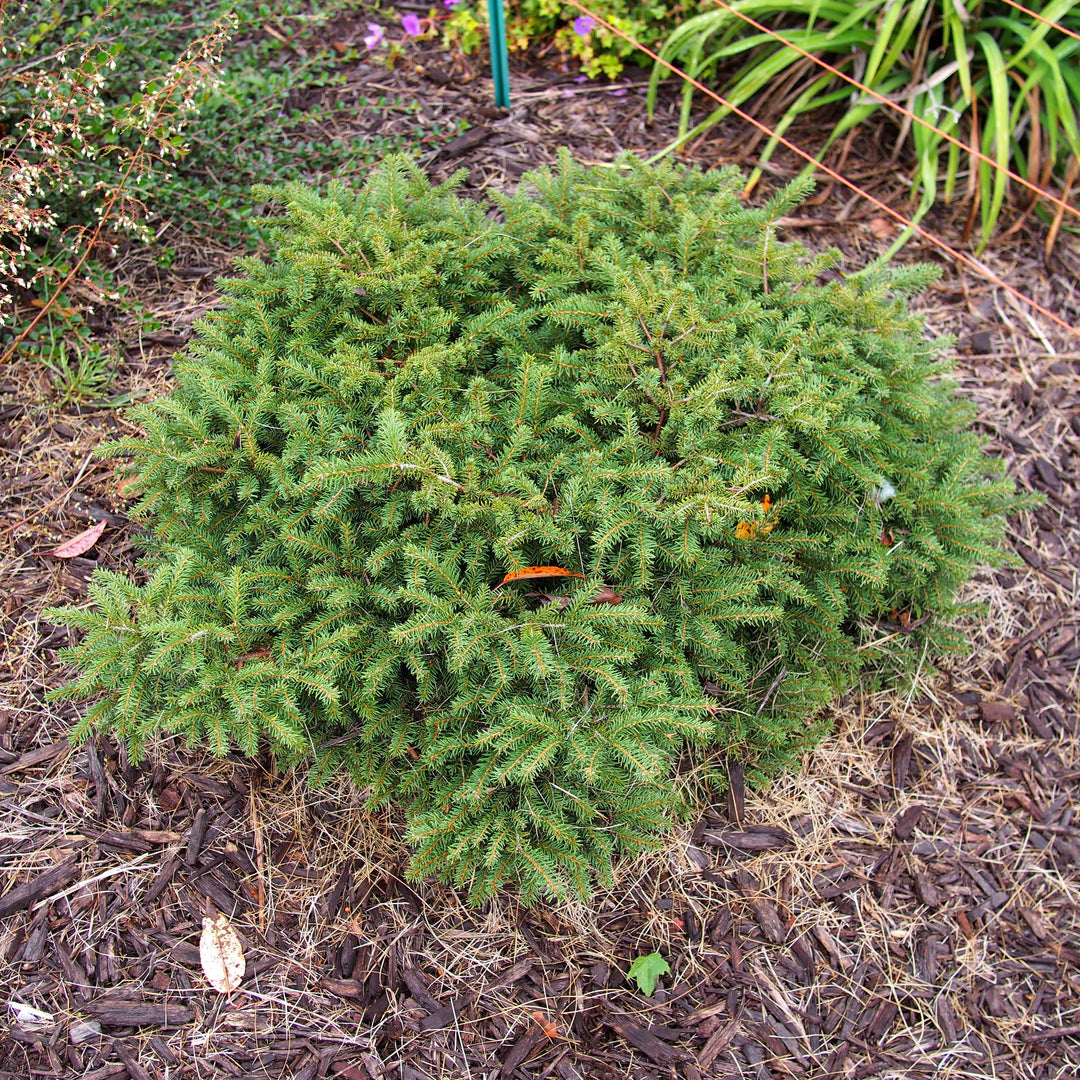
{"x": 748, "y": 479}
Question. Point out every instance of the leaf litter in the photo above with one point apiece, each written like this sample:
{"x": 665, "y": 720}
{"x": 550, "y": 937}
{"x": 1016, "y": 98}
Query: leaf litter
{"x": 221, "y": 953}
{"x": 81, "y": 544}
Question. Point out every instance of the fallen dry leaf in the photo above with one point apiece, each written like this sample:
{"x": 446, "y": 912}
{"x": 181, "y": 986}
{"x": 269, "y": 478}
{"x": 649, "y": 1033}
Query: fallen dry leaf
{"x": 258, "y": 654}
{"x": 882, "y": 228}
{"x": 606, "y": 596}
{"x": 747, "y": 530}
{"x": 29, "y": 1017}
{"x": 221, "y": 954}
{"x": 169, "y": 799}
{"x": 536, "y": 572}
{"x": 997, "y": 712}
{"x": 79, "y": 545}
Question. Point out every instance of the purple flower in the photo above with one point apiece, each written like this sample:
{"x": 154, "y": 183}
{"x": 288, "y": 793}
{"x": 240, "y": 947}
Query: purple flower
{"x": 451, "y": 3}
{"x": 583, "y": 25}
{"x": 411, "y": 25}
{"x": 374, "y": 37}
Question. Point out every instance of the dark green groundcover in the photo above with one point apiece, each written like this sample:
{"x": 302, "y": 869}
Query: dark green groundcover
{"x": 618, "y": 373}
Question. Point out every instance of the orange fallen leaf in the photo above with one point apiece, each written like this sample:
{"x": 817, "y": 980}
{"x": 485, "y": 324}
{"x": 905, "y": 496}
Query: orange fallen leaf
{"x": 747, "y": 530}
{"x": 79, "y": 545}
{"x": 536, "y": 572}
{"x": 549, "y": 1027}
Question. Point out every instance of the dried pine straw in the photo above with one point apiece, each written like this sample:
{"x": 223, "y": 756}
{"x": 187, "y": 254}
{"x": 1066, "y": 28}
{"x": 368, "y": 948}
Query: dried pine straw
{"x": 904, "y": 905}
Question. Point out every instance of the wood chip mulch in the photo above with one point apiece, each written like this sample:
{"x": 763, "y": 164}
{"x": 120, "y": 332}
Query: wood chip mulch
{"x": 906, "y": 905}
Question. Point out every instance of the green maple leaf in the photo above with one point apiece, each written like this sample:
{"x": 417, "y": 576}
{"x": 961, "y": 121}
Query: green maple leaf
{"x": 646, "y": 970}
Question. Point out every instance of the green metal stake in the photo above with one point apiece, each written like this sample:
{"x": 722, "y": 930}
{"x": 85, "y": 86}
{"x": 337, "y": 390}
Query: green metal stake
{"x": 500, "y": 65}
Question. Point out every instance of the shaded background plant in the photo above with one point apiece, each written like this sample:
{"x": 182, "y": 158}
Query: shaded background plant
{"x": 144, "y": 124}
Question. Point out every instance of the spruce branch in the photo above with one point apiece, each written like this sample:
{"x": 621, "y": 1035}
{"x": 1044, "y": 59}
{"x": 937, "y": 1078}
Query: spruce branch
{"x": 725, "y": 473}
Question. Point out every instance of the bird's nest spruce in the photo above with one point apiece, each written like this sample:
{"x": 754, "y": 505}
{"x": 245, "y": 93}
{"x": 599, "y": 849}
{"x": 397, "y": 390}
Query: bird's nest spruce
{"x": 507, "y": 507}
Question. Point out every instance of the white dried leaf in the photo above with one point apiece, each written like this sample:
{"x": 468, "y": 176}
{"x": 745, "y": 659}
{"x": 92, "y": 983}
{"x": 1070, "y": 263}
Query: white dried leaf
{"x": 221, "y": 954}
{"x": 29, "y": 1017}
{"x": 884, "y": 493}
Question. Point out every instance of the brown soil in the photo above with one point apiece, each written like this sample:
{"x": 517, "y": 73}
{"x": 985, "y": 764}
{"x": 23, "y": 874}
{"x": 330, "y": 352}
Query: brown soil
{"x": 903, "y": 906}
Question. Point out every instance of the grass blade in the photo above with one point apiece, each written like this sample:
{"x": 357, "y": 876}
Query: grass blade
{"x": 996, "y": 134}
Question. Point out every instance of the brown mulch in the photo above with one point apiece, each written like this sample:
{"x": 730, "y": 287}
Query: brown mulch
{"x": 906, "y": 905}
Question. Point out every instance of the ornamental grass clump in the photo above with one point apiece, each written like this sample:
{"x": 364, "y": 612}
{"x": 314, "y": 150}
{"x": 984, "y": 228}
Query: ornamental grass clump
{"x": 504, "y": 512}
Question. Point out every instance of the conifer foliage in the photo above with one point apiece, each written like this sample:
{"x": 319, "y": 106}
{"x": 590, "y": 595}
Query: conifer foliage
{"x": 620, "y": 373}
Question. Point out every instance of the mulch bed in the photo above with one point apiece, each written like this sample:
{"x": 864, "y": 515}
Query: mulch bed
{"x": 905, "y": 905}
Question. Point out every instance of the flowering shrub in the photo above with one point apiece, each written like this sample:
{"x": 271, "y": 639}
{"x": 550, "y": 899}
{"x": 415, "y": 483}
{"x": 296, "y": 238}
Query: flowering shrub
{"x": 148, "y": 123}
{"x": 59, "y": 129}
{"x": 599, "y": 51}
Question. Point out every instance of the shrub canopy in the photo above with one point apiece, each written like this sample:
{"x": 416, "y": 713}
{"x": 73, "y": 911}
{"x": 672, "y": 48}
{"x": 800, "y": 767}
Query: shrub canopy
{"x": 619, "y": 373}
